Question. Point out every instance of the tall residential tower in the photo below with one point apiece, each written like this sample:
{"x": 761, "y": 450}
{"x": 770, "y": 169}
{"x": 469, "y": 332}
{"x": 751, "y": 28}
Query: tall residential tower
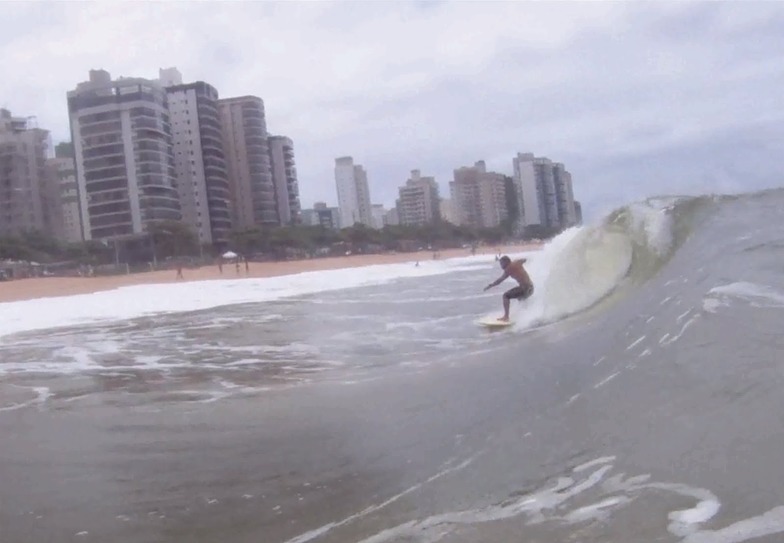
{"x": 248, "y": 162}
{"x": 24, "y": 177}
{"x": 124, "y": 161}
{"x": 544, "y": 191}
{"x": 284, "y": 176}
{"x": 353, "y": 193}
{"x": 199, "y": 160}
{"x": 63, "y": 170}
{"x": 479, "y": 196}
{"x": 418, "y": 201}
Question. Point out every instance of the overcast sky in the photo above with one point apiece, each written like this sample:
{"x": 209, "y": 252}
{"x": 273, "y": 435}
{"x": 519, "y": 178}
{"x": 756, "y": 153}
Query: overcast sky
{"x": 636, "y": 98}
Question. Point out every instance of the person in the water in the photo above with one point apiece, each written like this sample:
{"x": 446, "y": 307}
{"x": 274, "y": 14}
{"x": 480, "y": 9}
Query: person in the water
{"x": 524, "y": 288}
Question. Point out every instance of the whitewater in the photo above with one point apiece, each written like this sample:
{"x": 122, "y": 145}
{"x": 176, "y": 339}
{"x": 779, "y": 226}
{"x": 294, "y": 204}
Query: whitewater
{"x": 636, "y": 398}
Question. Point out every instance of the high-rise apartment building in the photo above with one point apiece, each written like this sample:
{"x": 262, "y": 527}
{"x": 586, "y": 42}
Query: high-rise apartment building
{"x": 199, "y": 159}
{"x": 418, "y": 201}
{"x": 545, "y": 187}
{"x": 564, "y": 196}
{"x": 578, "y": 212}
{"x": 544, "y": 191}
{"x": 328, "y": 217}
{"x": 353, "y": 193}
{"x": 284, "y": 177}
{"x": 479, "y": 196}
{"x": 124, "y": 161}
{"x": 68, "y": 215}
{"x": 524, "y": 177}
{"x": 25, "y": 189}
{"x": 247, "y": 154}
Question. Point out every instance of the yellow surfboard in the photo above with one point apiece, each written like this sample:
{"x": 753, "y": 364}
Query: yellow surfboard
{"x": 493, "y": 323}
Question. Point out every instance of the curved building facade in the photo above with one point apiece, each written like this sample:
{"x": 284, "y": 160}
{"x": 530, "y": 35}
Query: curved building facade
{"x": 248, "y": 162}
{"x": 284, "y": 175}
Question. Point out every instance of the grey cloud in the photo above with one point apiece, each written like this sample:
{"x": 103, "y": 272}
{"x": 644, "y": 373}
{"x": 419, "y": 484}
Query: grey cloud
{"x": 633, "y": 97}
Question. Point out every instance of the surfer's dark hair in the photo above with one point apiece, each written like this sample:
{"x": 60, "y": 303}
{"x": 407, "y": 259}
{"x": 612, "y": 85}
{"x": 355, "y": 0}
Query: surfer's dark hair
{"x": 504, "y": 261}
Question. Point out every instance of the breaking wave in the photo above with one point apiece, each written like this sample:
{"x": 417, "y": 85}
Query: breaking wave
{"x": 585, "y": 265}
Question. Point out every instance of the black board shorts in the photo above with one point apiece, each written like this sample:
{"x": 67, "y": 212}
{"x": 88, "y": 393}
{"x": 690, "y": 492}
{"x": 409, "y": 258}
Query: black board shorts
{"x": 519, "y": 292}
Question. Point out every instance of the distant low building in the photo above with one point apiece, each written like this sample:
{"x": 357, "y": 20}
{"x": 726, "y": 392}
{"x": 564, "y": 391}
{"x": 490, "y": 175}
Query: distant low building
{"x": 392, "y": 218}
{"x": 377, "y": 213}
{"x": 448, "y": 212}
{"x": 328, "y": 217}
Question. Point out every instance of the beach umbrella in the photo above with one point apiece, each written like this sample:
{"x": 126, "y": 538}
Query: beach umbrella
{"x": 229, "y": 254}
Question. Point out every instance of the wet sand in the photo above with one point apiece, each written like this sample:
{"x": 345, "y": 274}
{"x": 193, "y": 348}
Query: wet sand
{"x": 25, "y": 289}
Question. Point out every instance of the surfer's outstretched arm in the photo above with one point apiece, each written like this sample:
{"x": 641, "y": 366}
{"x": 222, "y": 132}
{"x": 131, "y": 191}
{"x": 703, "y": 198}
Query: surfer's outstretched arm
{"x": 497, "y": 281}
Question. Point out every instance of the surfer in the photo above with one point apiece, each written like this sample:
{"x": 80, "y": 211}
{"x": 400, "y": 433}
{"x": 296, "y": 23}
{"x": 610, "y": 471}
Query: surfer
{"x": 516, "y": 271}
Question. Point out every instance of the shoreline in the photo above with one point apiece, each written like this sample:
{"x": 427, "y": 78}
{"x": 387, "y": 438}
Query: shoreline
{"x": 49, "y": 287}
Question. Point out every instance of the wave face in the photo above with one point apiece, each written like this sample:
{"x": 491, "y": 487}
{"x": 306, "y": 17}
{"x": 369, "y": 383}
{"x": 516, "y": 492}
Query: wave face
{"x": 584, "y": 265}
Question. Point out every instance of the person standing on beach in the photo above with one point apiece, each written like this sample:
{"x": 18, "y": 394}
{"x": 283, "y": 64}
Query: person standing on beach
{"x": 524, "y": 288}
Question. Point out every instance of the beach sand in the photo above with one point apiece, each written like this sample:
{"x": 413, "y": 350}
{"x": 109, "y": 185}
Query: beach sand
{"x": 46, "y": 287}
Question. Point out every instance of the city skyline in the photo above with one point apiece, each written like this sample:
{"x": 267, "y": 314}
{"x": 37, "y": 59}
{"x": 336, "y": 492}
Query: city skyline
{"x": 609, "y": 88}
{"x": 132, "y": 124}
{"x": 146, "y": 151}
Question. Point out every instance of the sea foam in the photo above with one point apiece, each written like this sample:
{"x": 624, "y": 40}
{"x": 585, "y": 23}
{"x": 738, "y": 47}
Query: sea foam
{"x": 143, "y": 300}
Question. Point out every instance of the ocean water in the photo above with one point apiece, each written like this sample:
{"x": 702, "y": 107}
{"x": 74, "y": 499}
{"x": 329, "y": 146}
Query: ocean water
{"x": 638, "y": 397}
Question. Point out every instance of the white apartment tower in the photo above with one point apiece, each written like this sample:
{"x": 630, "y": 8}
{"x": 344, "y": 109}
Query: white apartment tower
{"x": 418, "y": 201}
{"x": 527, "y": 193}
{"x": 199, "y": 160}
{"x": 124, "y": 161}
{"x": 544, "y": 192}
{"x": 353, "y": 193}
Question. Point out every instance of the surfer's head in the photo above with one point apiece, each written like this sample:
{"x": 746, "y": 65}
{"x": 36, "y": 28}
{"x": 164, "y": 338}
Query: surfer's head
{"x": 504, "y": 261}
